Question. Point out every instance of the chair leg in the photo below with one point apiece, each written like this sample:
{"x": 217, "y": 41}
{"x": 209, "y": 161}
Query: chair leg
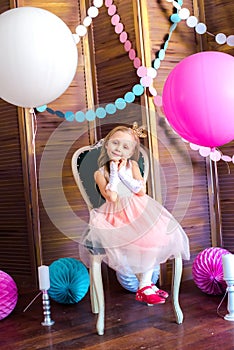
{"x": 97, "y": 299}
{"x": 93, "y": 296}
{"x": 176, "y": 278}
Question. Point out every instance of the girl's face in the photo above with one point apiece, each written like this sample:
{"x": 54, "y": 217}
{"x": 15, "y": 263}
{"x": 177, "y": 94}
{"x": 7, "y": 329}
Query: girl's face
{"x": 121, "y": 145}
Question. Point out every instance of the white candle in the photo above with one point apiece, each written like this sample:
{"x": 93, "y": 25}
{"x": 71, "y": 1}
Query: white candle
{"x": 228, "y": 266}
{"x": 44, "y": 277}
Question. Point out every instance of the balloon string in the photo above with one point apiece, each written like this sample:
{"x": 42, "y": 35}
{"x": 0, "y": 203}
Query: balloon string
{"x": 31, "y": 302}
{"x": 228, "y": 166}
{"x": 221, "y": 304}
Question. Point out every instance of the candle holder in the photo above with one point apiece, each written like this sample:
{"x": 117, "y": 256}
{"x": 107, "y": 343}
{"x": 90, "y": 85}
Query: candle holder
{"x": 230, "y": 303}
{"x": 46, "y": 309}
{"x": 228, "y": 276}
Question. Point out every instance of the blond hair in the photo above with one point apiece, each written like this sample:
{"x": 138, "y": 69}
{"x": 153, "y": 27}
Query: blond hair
{"x": 103, "y": 159}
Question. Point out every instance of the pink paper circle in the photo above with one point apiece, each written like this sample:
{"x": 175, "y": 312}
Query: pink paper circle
{"x": 119, "y": 28}
{"x": 152, "y": 91}
{"x": 115, "y": 20}
{"x": 194, "y": 147}
{"x": 111, "y": 10}
{"x": 158, "y": 100}
{"x": 108, "y": 3}
{"x": 127, "y": 45}
{"x": 132, "y": 54}
{"x": 141, "y": 71}
{"x": 146, "y": 81}
{"x": 226, "y": 158}
{"x": 215, "y": 155}
{"x": 123, "y": 37}
{"x": 137, "y": 62}
{"x": 204, "y": 151}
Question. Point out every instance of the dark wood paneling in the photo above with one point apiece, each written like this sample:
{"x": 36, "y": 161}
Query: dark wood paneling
{"x": 220, "y": 19}
{"x": 116, "y": 75}
{"x": 185, "y": 182}
{"x": 52, "y": 138}
{"x": 16, "y": 250}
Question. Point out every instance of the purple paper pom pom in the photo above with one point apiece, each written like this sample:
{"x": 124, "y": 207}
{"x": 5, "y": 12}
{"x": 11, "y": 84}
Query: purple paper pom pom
{"x": 207, "y": 271}
{"x": 8, "y": 294}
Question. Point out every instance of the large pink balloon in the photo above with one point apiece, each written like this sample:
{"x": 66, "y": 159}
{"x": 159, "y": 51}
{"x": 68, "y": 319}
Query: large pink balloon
{"x": 198, "y": 98}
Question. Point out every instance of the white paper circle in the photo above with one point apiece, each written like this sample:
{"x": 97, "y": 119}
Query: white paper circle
{"x": 87, "y": 21}
{"x": 230, "y": 40}
{"x": 192, "y": 21}
{"x": 220, "y": 38}
{"x": 200, "y": 28}
{"x": 98, "y": 3}
{"x": 81, "y": 30}
{"x": 93, "y": 12}
{"x": 204, "y": 151}
{"x": 184, "y": 13}
{"x": 176, "y": 5}
{"x": 151, "y": 72}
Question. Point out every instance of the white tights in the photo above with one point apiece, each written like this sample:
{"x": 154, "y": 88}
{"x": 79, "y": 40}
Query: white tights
{"x": 145, "y": 279}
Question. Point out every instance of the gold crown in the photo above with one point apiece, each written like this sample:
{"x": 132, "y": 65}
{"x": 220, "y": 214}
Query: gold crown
{"x": 139, "y": 131}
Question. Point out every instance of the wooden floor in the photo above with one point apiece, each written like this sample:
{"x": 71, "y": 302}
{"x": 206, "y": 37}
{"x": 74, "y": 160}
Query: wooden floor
{"x": 129, "y": 324}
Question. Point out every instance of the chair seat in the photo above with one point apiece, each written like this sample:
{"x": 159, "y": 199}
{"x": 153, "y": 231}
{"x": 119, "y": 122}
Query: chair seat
{"x": 96, "y": 250}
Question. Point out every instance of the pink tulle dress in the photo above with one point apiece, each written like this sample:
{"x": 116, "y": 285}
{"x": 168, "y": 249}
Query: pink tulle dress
{"x": 137, "y": 233}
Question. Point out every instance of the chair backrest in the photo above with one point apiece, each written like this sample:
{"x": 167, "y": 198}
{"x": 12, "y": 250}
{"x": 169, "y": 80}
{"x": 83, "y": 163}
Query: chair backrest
{"x": 84, "y": 165}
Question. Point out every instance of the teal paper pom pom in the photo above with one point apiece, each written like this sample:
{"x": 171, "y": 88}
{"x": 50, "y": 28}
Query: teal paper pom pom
{"x": 69, "y": 280}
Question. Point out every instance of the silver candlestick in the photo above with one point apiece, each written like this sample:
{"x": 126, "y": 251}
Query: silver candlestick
{"x": 46, "y": 309}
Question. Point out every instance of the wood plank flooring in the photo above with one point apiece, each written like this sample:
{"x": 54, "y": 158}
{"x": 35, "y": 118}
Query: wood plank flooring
{"x": 129, "y": 324}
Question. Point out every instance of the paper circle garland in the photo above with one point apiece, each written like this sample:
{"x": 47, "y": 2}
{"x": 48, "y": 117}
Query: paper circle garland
{"x": 130, "y": 281}
{"x": 69, "y": 280}
{"x": 38, "y": 56}
{"x": 207, "y": 271}
{"x": 8, "y": 294}
{"x": 198, "y": 98}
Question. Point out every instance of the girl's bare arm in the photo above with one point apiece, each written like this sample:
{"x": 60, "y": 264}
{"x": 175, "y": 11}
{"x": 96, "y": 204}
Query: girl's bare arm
{"x": 137, "y": 175}
{"x": 102, "y": 183}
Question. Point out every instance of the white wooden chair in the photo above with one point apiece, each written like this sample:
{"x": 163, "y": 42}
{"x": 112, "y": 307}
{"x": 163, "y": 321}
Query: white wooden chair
{"x": 84, "y": 164}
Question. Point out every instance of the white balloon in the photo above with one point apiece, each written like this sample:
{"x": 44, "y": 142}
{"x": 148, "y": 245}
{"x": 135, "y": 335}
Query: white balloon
{"x": 38, "y": 56}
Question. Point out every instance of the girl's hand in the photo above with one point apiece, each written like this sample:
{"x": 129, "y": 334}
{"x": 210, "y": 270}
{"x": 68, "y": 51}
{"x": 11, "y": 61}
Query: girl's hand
{"x": 122, "y": 163}
{"x": 115, "y": 159}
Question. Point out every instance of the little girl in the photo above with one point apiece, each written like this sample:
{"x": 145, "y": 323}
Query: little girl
{"x": 136, "y": 231}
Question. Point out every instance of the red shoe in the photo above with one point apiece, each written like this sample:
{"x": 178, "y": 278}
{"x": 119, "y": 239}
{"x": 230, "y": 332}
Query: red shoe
{"x": 161, "y": 293}
{"x": 150, "y": 299}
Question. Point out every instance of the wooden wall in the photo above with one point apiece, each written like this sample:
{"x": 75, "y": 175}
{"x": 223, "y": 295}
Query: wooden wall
{"x": 224, "y": 11}
{"x": 56, "y": 140}
{"x": 179, "y": 170}
{"x": 17, "y": 254}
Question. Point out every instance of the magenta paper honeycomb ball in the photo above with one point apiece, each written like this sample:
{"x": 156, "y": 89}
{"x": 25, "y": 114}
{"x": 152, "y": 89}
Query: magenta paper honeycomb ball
{"x": 207, "y": 271}
{"x": 8, "y": 294}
